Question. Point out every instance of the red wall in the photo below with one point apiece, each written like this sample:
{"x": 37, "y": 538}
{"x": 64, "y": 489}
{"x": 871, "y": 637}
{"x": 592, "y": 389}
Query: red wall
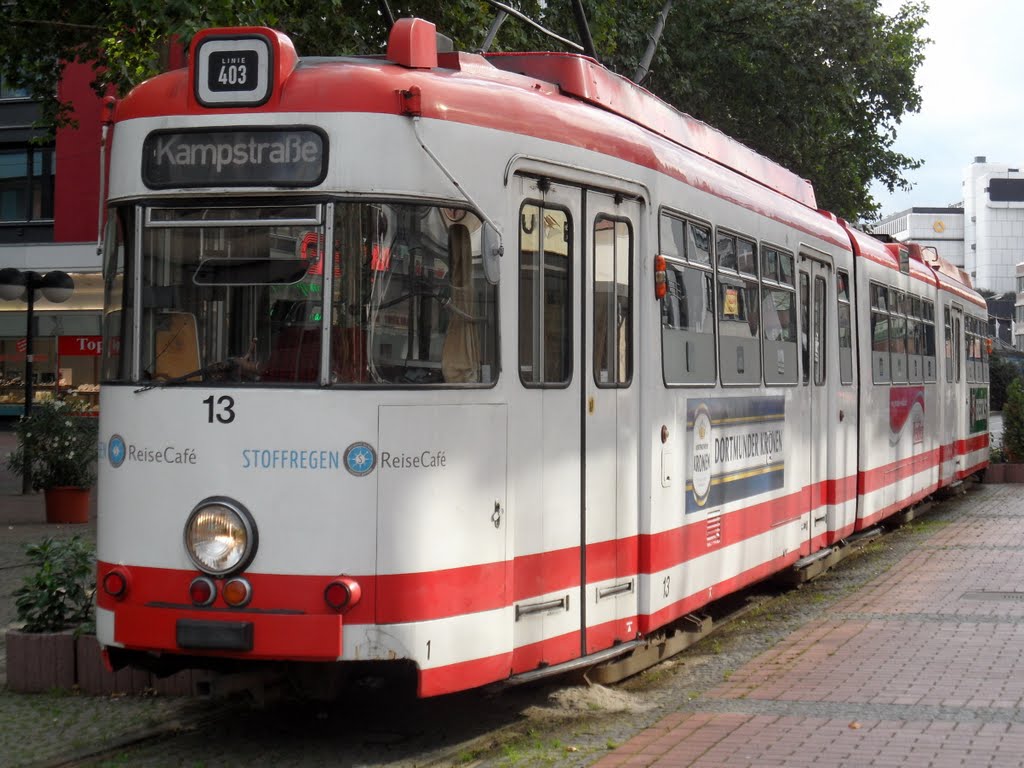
{"x": 76, "y": 197}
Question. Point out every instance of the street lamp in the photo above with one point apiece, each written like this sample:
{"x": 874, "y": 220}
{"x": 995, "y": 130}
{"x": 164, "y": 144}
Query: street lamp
{"x": 56, "y": 287}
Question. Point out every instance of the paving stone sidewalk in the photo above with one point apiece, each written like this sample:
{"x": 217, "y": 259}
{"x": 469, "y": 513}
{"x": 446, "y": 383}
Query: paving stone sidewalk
{"x": 922, "y": 667}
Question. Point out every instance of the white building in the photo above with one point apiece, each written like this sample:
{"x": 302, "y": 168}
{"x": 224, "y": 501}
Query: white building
{"x": 993, "y": 224}
{"x": 940, "y": 228}
{"x": 1018, "y": 318}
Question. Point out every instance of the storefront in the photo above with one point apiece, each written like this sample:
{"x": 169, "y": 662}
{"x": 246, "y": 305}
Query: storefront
{"x": 66, "y": 347}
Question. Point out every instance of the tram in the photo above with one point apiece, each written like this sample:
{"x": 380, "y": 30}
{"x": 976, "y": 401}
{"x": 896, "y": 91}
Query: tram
{"x": 479, "y": 365}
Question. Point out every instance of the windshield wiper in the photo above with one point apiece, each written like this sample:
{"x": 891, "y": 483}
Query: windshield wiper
{"x": 234, "y": 367}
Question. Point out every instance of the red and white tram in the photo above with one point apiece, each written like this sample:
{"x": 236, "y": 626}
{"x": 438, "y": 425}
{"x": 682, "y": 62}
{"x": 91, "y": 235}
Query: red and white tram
{"x": 483, "y": 364}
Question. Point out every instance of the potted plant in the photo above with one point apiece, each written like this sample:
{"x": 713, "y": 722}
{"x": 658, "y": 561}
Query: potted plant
{"x": 57, "y": 444}
{"x": 53, "y": 605}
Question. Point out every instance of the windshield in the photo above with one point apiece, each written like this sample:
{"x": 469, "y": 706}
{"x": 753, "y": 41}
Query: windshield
{"x": 238, "y": 295}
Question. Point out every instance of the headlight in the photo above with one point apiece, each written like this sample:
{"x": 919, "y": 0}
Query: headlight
{"x": 220, "y": 536}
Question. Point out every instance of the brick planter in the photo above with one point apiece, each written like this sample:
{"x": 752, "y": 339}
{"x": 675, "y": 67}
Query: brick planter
{"x": 995, "y": 473}
{"x": 40, "y": 661}
{"x": 43, "y": 661}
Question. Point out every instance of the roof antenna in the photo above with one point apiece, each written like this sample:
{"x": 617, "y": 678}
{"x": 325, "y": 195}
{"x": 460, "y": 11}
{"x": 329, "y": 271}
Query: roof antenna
{"x": 644, "y": 69}
{"x": 583, "y": 28}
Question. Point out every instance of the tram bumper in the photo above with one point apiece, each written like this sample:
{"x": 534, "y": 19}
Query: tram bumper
{"x": 264, "y": 636}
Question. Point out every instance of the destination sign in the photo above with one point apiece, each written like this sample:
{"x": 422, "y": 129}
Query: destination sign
{"x": 280, "y": 157}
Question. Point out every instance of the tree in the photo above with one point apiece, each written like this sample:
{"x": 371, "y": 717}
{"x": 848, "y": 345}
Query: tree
{"x": 1013, "y": 421}
{"x": 819, "y": 86}
{"x": 1000, "y": 373}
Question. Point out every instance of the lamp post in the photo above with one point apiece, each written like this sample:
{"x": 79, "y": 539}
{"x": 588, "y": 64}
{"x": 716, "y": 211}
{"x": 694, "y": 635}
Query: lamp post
{"x": 55, "y": 286}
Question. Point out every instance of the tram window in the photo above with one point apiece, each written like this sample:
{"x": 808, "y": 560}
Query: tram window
{"x": 928, "y": 339}
{"x": 216, "y": 283}
{"x": 948, "y": 346}
{"x": 915, "y": 371}
{"x": 118, "y": 295}
{"x": 880, "y": 364}
{"x": 545, "y": 296}
{"x": 819, "y": 348}
{"x": 410, "y": 305}
{"x": 687, "y": 310}
{"x": 844, "y": 318}
{"x": 897, "y": 336}
{"x": 739, "y": 312}
{"x": 805, "y": 326}
{"x": 725, "y": 246}
{"x": 613, "y": 302}
{"x": 778, "y": 321}
{"x": 957, "y": 349}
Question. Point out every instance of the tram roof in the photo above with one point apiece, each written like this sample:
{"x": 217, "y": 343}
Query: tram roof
{"x": 324, "y": 84}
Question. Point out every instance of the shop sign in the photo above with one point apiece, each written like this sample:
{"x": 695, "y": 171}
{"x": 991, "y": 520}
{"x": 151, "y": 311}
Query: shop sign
{"x": 79, "y": 346}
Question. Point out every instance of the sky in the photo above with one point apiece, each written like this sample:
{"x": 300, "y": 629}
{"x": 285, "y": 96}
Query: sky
{"x": 972, "y": 89}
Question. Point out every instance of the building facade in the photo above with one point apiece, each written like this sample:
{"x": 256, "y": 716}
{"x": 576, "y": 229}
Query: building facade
{"x": 1018, "y": 320}
{"x": 938, "y": 228}
{"x": 993, "y": 224}
{"x": 50, "y": 218}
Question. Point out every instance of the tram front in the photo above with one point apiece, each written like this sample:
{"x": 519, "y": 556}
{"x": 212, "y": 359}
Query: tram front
{"x": 302, "y": 457}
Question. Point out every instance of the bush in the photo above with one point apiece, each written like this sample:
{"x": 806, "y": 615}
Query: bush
{"x": 61, "y": 444}
{"x": 58, "y": 594}
{"x": 1013, "y": 421}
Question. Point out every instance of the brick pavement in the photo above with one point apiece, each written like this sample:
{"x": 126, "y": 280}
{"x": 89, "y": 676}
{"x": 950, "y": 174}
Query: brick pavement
{"x": 924, "y": 666}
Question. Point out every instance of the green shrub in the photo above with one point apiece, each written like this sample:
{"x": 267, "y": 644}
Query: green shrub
{"x": 1013, "y": 421}
{"x": 58, "y": 594}
{"x": 61, "y": 444}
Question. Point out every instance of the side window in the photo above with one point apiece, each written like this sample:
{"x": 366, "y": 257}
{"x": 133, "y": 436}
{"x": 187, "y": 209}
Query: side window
{"x": 613, "y": 302}
{"x": 949, "y": 344}
{"x": 545, "y": 296}
{"x": 915, "y": 368}
{"x": 778, "y": 317}
{"x": 688, "y": 308}
{"x": 819, "y": 348}
{"x": 805, "y": 327}
{"x": 898, "y": 335}
{"x": 880, "y": 365}
{"x": 958, "y": 335}
{"x": 928, "y": 339}
{"x": 845, "y": 323}
{"x": 738, "y": 311}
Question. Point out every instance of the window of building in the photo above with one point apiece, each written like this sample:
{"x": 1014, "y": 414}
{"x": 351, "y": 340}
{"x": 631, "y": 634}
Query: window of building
{"x": 26, "y": 184}
{"x": 9, "y": 91}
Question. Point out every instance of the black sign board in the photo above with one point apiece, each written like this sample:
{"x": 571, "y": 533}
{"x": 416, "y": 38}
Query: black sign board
{"x": 261, "y": 157}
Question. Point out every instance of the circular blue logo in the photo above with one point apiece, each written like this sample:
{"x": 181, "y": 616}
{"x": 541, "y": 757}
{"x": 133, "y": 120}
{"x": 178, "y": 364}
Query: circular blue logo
{"x": 360, "y": 459}
{"x": 116, "y": 451}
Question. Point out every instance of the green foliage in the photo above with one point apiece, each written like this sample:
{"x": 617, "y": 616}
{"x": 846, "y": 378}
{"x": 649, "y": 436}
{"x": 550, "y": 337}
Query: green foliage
{"x": 817, "y": 86}
{"x": 58, "y": 594}
{"x": 1000, "y": 373}
{"x": 1013, "y": 421}
{"x": 60, "y": 443}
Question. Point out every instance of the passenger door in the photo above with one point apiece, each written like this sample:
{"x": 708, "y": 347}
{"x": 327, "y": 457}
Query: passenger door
{"x": 545, "y": 430}
{"x": 818, "y": 370}
{"x": 611, "y": 417}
